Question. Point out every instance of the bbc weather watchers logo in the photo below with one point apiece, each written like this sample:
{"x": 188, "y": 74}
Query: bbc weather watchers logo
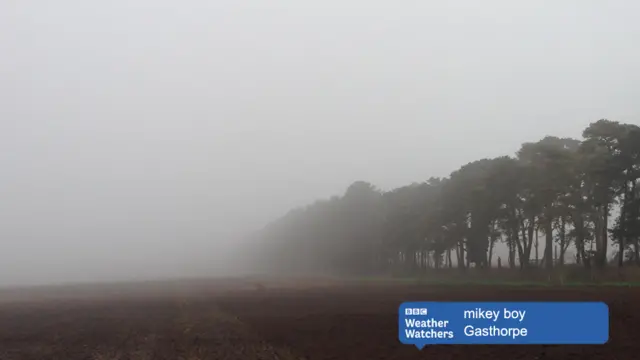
{"x": 415, "y": 311}
{"x": 539, "y": 323}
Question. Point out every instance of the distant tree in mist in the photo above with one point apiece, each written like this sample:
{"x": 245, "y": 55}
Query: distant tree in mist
{"x": 564, "y": 189}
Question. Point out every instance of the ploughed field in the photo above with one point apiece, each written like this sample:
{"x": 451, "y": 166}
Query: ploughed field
{"x": 241, "y": 319}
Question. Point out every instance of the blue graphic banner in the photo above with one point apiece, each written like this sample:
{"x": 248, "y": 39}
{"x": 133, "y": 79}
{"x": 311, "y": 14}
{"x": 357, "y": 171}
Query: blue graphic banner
{"x": 432, "y": 323}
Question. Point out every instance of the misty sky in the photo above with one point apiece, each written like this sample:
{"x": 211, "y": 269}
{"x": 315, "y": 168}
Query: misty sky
{"x": 136, "y": 136}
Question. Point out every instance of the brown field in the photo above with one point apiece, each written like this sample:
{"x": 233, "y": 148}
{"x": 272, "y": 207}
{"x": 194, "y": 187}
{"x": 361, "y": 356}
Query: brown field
{"x": 309, "y": 319}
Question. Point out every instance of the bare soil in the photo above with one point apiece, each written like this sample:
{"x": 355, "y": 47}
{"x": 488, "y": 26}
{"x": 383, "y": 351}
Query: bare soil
{"x": 249, "y": 319}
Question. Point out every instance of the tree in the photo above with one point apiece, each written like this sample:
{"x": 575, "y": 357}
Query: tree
{"x": 549, "y": 163}
{"x": 610, "y": 149}
{"x": 564, "y": 188}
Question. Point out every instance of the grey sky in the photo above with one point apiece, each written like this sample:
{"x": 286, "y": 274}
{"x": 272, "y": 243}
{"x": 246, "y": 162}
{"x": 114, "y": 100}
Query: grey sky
{"x": 136, "y": 135}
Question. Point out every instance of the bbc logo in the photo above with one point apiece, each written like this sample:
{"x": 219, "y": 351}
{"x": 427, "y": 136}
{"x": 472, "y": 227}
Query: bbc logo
{"x": 415, "y": 311}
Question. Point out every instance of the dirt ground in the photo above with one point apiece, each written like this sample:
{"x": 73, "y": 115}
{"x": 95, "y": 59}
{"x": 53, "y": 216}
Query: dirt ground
{"x": 236, "y": 319}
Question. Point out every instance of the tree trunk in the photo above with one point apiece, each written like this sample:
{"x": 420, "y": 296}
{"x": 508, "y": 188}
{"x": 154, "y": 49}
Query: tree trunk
{"x": 522, "y": 244}
{"x": 548, "y": 248}
{"x": 529, "y": 242}
{"x": 460, "y": 253}
{"x": 578, "y": 222}
{"x": 605, "y": 234}
{"x": 563, "y": 240}
{"x": 512, "y": 252}
{"x": 490, "y": 255}
{"x": 578, "y": 255}
{"x": 623, "y": 222}
{"x": 597, "y": 232}
{"x": 521, "y": 259}
{"x": 537, "y": 246}
{"x": 492, "y": 242}
{"x": 466, "y": 249}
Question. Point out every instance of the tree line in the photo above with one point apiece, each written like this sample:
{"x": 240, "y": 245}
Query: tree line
{"x": 559, "y": 193}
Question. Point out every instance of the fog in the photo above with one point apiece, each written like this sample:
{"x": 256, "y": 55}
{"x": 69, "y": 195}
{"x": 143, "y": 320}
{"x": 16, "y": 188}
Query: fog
{"x": 141, "y": 139}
